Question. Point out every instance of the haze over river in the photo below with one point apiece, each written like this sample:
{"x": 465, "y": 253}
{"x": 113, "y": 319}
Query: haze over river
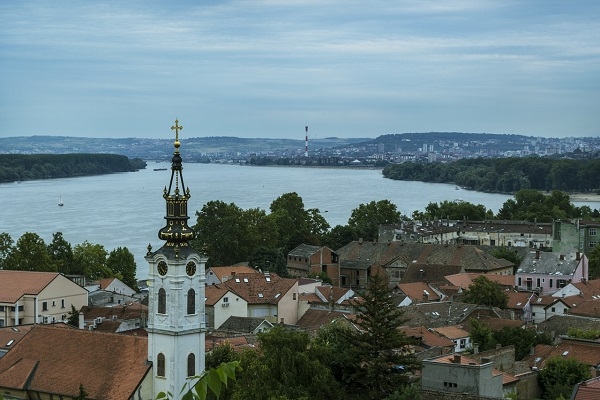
{"x": 127, "y": 209}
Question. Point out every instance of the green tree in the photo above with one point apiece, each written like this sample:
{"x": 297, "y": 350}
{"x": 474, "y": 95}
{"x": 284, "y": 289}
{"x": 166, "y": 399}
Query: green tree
{"x": 377, "y": 360}
{"x": 456, "y": 210}
{"x": 61, "y": 252}
{"x": 73, "y": 319}
{"x": 294, "y": 223}
{"x": 560, "y": 375}
{"x": 30, "y": 253}
{"x": 366, "y": 218}
{"x": 339, "y": 236}
{"x": 485, "y": 292}
{"x": 6, "y": 244}
{"x": 82, "y": 393}
{"x": 594, "y": 263}
{"x": 122, "y": 264}
{"x": 90, "y": 261}
{"x": 212, "y": 380}
{"x": 272, "y": 260}
{"x": 284, "y": 367}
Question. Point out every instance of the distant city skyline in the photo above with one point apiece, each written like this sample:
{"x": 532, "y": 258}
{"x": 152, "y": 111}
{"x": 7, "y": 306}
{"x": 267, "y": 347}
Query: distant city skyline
{"x": 267, "y": 69}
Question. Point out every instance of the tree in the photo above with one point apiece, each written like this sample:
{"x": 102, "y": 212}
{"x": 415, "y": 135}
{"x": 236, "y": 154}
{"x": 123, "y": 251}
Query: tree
{"x": 293, "y": 222}
{"x": 485, "y": 292}
{"x": 594, "y": 262}
{"x": 73, "y": 319}
{"x": 30, "y": 253}
{"x": 284, "y": 367}
{"x": 339, "y": 236}
{"x": 90, "y": 261}
{"x": 366, "y": 218}
{"x": 6, "y": 244}
{"x": 61, "y": 252}
{"x": 122, "y": 264}
{"x": 560, "y": 375}
{"x": 271, "y": 260}
{"x": 376, "y": 358}
{"x": 213, "y": 379}
{"x": 82, "y": 393}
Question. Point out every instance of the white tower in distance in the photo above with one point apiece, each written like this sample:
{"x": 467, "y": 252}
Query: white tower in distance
{"x": 176, "y": 326}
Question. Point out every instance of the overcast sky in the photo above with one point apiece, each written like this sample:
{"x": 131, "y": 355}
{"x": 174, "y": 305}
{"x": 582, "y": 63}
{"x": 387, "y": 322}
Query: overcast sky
{"x": 268, "y": 68}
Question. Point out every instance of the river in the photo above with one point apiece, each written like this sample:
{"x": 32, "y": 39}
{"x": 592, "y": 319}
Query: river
{"x": 127, "y": 209}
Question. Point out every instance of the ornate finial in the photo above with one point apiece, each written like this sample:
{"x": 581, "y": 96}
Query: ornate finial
{"x": 149, "y": 249}
{"x": 176, "y": 128}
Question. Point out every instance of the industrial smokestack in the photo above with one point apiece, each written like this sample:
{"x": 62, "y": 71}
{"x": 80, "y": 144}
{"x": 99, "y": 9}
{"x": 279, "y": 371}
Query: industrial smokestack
{"x": 306, "y": 142}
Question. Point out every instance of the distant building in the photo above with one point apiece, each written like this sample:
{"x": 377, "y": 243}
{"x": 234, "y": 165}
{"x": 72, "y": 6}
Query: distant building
{"x": 545, "y": 272}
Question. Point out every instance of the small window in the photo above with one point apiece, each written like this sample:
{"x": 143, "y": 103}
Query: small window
{"x": 191, "y": 365}
{"x": 553, "y": 309}
{"x": 53, "y": 303}
{"x": 260, "y": 295}
{"x": 592, "y": 244}
{"x": 162, "y": 301}
{"x": 62, "y": 303}
{"x": 160, "y": 365}
{"x": 225, "y": 299}
{"x": 294, "y": 296}
{"x": 592, "y": 232}
{"x": 44, "y": 306}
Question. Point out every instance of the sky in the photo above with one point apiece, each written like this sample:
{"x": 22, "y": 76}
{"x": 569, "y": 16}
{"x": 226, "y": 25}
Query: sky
{"x": 267, "y": 69}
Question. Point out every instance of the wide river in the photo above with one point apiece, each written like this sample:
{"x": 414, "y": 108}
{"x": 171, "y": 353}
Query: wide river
{"x": 127, "y": 209}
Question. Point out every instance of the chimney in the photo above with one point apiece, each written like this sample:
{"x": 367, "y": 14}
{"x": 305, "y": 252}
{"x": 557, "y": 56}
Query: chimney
{"x": 475, "y": 348}
{"x": 562, "y": 257}
{"x": 81, "y": 321}
{"x": 456, "y": 359}
{"x": 577, "y": 256}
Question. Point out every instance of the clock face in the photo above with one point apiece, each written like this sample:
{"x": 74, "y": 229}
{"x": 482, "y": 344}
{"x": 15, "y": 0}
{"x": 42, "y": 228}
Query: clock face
{"x": 162, "y": 268}
{"x": 190, "y": 268}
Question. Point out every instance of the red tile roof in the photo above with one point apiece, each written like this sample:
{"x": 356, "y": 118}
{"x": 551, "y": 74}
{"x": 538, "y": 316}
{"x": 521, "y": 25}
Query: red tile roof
{"x": 226, "y": 273}
{"x": 214, "y": 293}
{"x": 260, "y": 288}
{"x": 104, "y": 283}
{"x": 55, "y": 360}
{"x": 417, "y": 290}
{"x": 427, "y": 337}
{"x": 14, "y": 284}
{"x": 587, "y": 390}
{"x": 452, "y": 332}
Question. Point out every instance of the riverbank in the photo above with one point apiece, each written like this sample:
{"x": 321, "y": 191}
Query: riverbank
{"x": 584, "y": 197}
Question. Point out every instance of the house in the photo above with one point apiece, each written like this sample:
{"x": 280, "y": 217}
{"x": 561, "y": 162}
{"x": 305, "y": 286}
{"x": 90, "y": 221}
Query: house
{"x": 445, "y": 313}
{"x": 465, "y": 376}
{"x": 520, "y": 304}
{"x": 570, "y": 236}
{"x": 102, "y": 298}
{"x": 245, "y": 325}
{"x": 584, "y": 351}
{"x": 37, "y": 297}
{"x": 115, "y": 285}
{"x": 268, "y": 296}
{"x": 545, "y": 307}
{"x": 546, "y": 273}
{"x": 433, "y": 274}
{"x": 10, "y": 336}
{"x": 417, "y": 292}
{"x": 313, "y": 319}
{"x": 394, "y": 259}
{"x": 222, "y": 303}
{"x": 124, "y": 318}
{"x": 427, "y": 338}
{"x": 460, "y": 337}
{"x": 221, "y": 274}
{"x": 306, "y": 260}
{"x": 465, "y": 279}
{"x": 587, "y": 390}
{"x": 52, "y": 362}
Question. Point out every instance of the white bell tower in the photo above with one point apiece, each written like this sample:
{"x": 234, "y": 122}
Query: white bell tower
{"x": 176, "y": 325}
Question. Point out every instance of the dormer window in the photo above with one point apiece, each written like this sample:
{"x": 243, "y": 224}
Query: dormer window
{"x": 260, "y": 295}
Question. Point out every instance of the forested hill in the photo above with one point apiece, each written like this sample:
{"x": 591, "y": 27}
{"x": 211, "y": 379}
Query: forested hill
{"x": 505, "y": 175}
{"x": 20, "y": 167}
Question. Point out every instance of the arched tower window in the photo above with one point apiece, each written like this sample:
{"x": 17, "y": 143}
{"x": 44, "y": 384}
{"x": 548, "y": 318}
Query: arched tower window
{"x": 191, "y": 302}
{"x": 160, "y": 364}
{"x": 191, "y": 366}
{"x": 162, "y": 301}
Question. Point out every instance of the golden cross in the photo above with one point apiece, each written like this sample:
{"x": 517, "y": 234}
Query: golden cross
{"x": 176, "y": 128}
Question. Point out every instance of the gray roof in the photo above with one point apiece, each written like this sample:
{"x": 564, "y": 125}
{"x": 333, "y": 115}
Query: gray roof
{"x": 548, "y": 263}
{"x": 304, "y": 250}
{"x": 243, "y": 324}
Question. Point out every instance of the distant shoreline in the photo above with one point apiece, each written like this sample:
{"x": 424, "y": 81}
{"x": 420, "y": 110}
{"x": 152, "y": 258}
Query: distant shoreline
{"x": 584, "y": 197}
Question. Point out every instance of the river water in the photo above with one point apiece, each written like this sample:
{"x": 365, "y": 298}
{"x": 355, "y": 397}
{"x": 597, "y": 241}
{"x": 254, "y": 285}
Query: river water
{"x": 127, "y": 209}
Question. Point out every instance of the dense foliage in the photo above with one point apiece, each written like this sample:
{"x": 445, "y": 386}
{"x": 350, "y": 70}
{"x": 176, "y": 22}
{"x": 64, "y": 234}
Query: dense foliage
{"x": 30, "y": 253}
{"x": 522, "y": 339}
{"x": 485, "y": 292}
{"x": 560, "y": 375}
{"x": 20, "y": 167}
{"x": 505, "y": 175}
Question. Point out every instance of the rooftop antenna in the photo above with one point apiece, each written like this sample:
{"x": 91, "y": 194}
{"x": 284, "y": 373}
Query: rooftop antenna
{"x": 306, "y": 142}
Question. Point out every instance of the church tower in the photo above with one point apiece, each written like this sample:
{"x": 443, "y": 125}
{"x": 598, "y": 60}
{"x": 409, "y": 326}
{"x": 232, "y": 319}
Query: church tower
{"x": 176, "y": 326}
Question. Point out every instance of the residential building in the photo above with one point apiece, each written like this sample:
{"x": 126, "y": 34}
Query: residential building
{"x": 268, "y": 295}
{"x": 418, "y": 292}
{"x": 218, "y": 275}
{"x": 460, "y": 337}
{"x": 306, "y": 260}
{"x": 584, "y": 351}
{"x": 570, "y": 236}
{"x": 115, "y": 285}
{"x": 125, "y": 318}
{"x": 37, "y": 297}
{"x": 587, "y": 390}
{"x": 222, "y": 303}
{"x": 464, "y": 375}
{"x": 245, "y": 325}
{"x": 546, "y": 273}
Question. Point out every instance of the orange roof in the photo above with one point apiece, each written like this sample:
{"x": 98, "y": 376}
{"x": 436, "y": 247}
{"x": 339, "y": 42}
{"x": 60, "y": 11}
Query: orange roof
{"x": 258, "y": 288}
{"x": 15, "y": 284}
{"x": 417, "y": 290}
{"x": 427, "y": 337}
{"x": 14, "y": 333}
{"x": 464, "y": 279}
{"x": 517, "y": 300}
{"x": 587, "y": 352}
{"x": 588, "y": 390}
{"x": 452, "y": 332}
{"x": 55, "y": 360}
{"x": 105, "y": 282}
{"x": 228, "y": 272}
{"x": 214, "y": 293}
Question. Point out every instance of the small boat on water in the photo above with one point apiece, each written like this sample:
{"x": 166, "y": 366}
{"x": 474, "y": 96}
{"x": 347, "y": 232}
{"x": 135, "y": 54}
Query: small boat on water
{"x": 160, "y": 169}
{"x": 60, "y": 202}
{"x": 456, "y": 188}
